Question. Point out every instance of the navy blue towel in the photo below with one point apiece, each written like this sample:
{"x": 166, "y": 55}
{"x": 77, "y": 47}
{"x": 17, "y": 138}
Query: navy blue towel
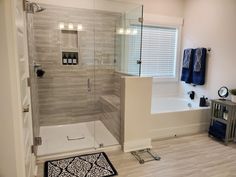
{"x": 199, "y": 66}
{"x": 187, "y": 66}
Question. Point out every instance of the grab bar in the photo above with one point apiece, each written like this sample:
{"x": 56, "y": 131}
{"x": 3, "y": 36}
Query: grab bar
{"x": 74, "y": 139}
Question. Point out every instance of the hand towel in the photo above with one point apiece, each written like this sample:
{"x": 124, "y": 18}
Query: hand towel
{"x": 199, "y": 66}
{"x": 187, "y": 66}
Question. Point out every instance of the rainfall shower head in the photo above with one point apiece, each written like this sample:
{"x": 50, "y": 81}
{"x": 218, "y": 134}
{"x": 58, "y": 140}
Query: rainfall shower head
{"x": 32, "y": 7}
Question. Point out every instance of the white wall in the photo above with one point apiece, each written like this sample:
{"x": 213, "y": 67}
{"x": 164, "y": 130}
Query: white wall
{"x": 161, "y": 7}
{"x": 7, "y": 140}
{"x": 135, "y": 110}
{"x": 107, "y": 5}
{"x": 211, "y": 23}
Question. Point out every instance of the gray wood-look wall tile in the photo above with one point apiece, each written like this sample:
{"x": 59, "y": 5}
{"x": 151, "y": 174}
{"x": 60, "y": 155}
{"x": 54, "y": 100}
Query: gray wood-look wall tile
{"x": 63, "y": 95}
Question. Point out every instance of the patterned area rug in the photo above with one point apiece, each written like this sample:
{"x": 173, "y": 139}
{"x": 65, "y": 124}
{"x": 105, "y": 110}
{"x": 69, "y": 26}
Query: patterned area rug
{"x": 89, "y": 165}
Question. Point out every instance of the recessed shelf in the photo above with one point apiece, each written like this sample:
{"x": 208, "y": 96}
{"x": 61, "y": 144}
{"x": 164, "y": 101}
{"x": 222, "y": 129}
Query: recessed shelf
{"x": 69, "y": 47}
{"x": 69, "y": 39}
{"x": 70, "y": 58}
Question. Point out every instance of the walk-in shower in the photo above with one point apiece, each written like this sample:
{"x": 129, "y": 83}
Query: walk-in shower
{"x": 76, "y": 104}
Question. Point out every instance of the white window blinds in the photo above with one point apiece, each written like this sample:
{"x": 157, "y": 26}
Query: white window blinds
{"x": 159, "y": 51}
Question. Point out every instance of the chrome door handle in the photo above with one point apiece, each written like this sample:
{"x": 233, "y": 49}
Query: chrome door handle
{"x": 26, "y": 108}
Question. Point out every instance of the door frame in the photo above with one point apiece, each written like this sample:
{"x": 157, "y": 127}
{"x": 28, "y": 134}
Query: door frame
{"x": 14, "y": 89}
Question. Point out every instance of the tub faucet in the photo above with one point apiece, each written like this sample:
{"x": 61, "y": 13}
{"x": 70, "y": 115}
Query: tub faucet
{"x": 191, "y": 94}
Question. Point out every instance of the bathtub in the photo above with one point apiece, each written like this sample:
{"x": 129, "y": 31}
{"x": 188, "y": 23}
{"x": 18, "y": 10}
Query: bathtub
{"x": 175, "y": 116}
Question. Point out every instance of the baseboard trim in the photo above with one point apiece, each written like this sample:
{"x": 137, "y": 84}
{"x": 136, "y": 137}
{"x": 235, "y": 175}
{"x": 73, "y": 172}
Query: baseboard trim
{"x": 165, "y": 133}
{"x": 137, "y": 145}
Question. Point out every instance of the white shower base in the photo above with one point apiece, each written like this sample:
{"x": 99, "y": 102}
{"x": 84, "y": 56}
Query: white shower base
{"x": 54, "y": 138}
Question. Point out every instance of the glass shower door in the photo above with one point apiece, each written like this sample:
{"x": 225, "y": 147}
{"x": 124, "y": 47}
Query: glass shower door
{"x": 108, "y": 53}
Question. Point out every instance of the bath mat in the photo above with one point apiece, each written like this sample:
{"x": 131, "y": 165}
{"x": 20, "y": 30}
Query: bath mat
{"x": 89, "y": 165}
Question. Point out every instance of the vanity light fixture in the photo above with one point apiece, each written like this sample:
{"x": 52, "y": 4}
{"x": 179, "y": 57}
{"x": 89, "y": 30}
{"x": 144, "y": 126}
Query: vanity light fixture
{"x": 134, "y": 32}
{"x": 70, "y": 26}
{"x": 61, "y": 25}
{"x": 79, "y": 27}
{"x": 120, "y": 31}
{"x": 128, "y": 31}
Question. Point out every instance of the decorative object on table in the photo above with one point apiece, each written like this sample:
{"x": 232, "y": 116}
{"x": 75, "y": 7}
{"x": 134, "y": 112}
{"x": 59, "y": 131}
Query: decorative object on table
{"x": 223, "y": 92}
{"x": 203, "y": 101}
{"x": 96, "y": 164}
{"x": 233, "y": 95}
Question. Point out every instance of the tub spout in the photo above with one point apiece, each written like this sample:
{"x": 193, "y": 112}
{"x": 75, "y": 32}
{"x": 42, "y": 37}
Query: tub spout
{"x": 191, "y": 94}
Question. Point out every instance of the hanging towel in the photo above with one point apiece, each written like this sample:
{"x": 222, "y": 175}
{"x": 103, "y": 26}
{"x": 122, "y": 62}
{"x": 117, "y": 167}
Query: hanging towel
{"x": 187, "y": 66}
{"x": 199, "y": 66}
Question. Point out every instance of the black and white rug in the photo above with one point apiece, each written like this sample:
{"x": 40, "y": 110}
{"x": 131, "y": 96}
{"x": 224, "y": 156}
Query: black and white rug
{"x": 89, "y": 165}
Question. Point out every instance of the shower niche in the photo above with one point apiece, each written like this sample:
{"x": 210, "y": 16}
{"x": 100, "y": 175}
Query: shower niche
{"x": 69, "y": 47}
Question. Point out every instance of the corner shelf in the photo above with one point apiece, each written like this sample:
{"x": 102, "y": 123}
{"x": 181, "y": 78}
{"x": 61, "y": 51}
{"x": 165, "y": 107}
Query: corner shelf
{"x": 223, "y": 120}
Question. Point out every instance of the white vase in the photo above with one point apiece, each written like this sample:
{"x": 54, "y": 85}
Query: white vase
{"x": 233, "y": 98}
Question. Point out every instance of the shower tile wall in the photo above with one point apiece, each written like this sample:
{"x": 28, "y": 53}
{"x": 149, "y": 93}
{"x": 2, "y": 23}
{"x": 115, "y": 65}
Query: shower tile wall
{"x": 63, "y": 93}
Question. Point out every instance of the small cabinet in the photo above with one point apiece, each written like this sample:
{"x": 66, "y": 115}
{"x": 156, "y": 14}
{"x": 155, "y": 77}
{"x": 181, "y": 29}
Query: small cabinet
{"x": 223, "y": 120}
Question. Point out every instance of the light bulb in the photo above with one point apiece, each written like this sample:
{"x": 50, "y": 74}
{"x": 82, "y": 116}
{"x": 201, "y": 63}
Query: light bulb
{"x": 61, "y": 25}
{"x": 128, "y": 31}
{"x": 135, "y": 32}
{"x": 121, "y": 31}
{"x": 79, "y": 27}
{"x": 70, "y": 26}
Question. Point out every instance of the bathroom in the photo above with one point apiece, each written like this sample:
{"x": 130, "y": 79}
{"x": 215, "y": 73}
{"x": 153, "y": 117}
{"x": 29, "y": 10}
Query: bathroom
{"x": 84, "y": 77}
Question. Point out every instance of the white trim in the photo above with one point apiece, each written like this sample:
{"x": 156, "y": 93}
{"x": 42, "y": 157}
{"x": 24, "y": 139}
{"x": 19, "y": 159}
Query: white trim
{"x": 137, "y": 145}
{"x": 170, "y": 132}
{"x": 15, "y": 93}
{"x": 162, "y": 20}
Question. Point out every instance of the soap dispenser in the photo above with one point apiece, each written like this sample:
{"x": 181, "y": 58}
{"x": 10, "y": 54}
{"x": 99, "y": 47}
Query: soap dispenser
{"x": 203, "y": 101}
{"x": 64, "y": 59}
{"x": 69, "y": 60}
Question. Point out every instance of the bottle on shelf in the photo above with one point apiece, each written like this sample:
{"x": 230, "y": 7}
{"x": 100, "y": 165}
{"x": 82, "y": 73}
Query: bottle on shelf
{"x": 75, "y": 60}
{"x": 64, "y": 59}
{"x": 69, "y": 60}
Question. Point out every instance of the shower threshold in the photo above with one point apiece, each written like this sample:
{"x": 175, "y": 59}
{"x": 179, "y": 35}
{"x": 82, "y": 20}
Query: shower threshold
{"x": 74, "y": 137}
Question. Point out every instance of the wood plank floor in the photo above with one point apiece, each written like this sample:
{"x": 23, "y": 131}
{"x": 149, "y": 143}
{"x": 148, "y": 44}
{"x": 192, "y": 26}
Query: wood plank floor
{"x": 191, "y": 156}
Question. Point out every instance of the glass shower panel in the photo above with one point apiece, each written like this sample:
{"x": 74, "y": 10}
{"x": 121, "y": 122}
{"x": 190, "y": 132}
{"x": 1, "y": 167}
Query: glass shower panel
{"x": 110, "y": 48}
{"x": 67, "y": 111}
{"x": 133, "y": 40}
{"x": 128, "y": 41}
{"x": 107, "y": 129}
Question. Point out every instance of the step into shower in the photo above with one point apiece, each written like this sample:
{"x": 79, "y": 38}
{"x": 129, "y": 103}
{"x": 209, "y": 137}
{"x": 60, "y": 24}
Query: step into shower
{"x": 74, "y": 137}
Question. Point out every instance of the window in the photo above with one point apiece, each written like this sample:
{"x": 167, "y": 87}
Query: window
{"x": 159, "y": 52}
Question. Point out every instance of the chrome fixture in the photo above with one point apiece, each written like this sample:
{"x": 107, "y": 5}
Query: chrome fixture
{"x": 191, "y": 94}
{"x": 32, "y": 7}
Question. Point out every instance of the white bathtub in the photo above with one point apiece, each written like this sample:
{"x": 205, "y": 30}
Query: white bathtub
{"x": 172, "y": 104}
{"x": 174, "y": 116}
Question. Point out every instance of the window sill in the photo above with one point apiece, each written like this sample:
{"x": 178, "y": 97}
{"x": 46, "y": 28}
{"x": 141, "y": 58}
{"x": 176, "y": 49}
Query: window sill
{"x": 165, "y": 80}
